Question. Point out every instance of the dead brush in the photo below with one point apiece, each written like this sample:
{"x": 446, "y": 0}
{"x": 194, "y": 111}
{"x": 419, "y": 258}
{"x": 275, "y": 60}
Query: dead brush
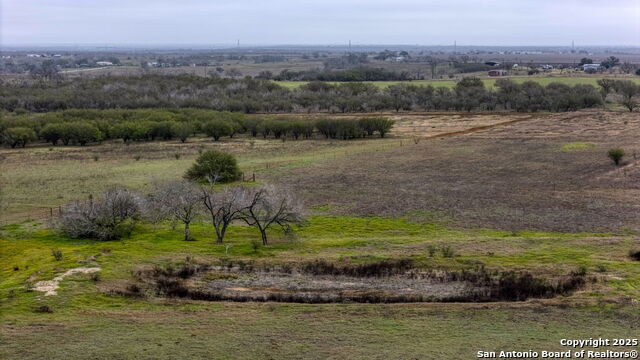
{"x": 44, "y": 309}
{"x": 480, "y": 284}
{"x": 376, "y": 269}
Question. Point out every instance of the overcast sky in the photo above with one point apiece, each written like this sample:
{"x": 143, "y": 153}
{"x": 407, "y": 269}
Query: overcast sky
{"x": 423, "y": 22}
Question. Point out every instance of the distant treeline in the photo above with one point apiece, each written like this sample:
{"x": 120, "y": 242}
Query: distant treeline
{"x": 81, "y": 127}
{"x": 258, "y": 95}
{"x": 355, "y": 74}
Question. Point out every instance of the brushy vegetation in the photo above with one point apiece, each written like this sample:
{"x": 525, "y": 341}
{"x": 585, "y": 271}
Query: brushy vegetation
{"x": 110, "y": 216}
{"x": 81, "y": 127}
{"x": 255, "y": 95}
{"x": 482, "y": 285}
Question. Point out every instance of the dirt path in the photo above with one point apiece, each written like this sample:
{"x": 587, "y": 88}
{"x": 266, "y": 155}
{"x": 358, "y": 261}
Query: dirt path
{"x": 477, "y": 128}
{"x": 50, "y": 287}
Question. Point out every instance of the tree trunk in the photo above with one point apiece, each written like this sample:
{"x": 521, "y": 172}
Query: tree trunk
{"x": 187, "y": 232}
{"x": 263, "y": 233}
{"x": 220, "y": 235}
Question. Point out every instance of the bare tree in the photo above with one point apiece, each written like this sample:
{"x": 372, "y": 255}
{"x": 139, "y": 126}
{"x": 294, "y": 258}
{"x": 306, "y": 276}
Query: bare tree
{"x": 223, "y": 208}
{"x": 268, "y": 205}
{"x": 110, "y": 216}
{"x": 179, "y": 200}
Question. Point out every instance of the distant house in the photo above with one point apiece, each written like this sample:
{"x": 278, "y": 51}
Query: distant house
{"x": 104, "y": 63}
{"x": 498, "y": 72}
{"x": 546, "y": 67}
{"x": 587, "y": 67}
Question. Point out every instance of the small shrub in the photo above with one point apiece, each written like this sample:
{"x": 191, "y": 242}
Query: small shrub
{"x": 96, "y": 157}
{"x": 214, "y": 166}
{"x": 431, "y": 249}
{"x": 255, "y": 245}
{"x": 616, "y": 154}
{"x": 137, "y": 157}
{"x": 580, "y": 271}
{"x": 16, "y": 268}
{"x": 46, "y": 309}
{"x": 635, "y": 254}
{"x": 177, "y": 156}
{"x": 134, "y": 289}
{"x": 95, "y": 277}
{"x": 57, "y": 254}
{"x": 447, "y": 251}
{"x": 601, "y": 268}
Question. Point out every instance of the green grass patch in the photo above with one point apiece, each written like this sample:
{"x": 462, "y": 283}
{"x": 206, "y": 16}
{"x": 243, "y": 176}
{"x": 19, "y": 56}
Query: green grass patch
{"x": 577, "y": 146}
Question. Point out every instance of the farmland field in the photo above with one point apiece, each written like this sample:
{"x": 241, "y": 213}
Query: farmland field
{"x": 452, "y": 192}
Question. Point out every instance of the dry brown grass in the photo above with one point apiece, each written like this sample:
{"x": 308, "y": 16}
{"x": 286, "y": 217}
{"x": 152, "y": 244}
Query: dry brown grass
{"x": 514, "y": 176}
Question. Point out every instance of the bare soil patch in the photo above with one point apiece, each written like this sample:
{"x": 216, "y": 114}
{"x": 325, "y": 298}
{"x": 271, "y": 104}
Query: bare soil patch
{"x": 50, "y": 287}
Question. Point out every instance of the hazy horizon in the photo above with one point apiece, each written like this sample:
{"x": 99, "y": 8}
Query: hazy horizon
{"x": 328, "y": 23}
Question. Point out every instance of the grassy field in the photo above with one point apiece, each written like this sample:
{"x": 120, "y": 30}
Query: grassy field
{"x": 523, "y": 175}
{"x": 80, "y": 171}
{"x": 87, "y": 323}
{"x": 489, "y": 82}
{"x": 73, "y": 171}
{"x": 524, "y": 192}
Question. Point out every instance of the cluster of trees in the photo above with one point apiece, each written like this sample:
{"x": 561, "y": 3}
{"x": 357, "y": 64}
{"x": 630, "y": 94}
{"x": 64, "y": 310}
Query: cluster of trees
{"x": 351, "y": 129}
{"x": 113, "y": 214}
{"x": 354, "y": 74}
{"x": 531, "y": 96}
{"x": 626, "y": 90}
{"x": 258, "y": 95}
{"x": 81, "y": 127}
